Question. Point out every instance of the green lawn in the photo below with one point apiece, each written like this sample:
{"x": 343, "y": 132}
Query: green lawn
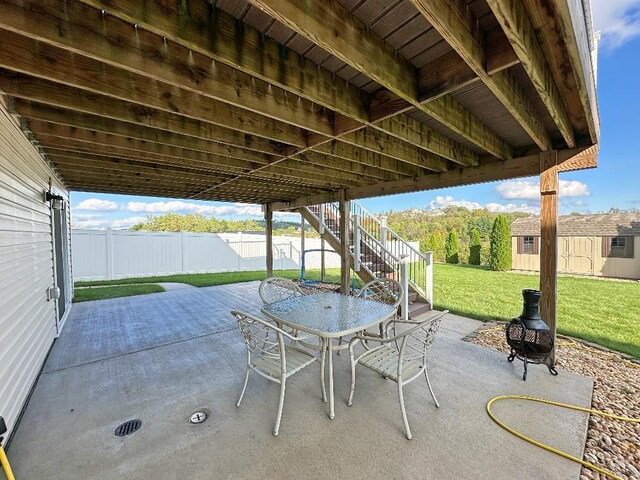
{"x": 102, "y": 293}
{"x": 210, "y": 279}
{"x": 605, "y": 312}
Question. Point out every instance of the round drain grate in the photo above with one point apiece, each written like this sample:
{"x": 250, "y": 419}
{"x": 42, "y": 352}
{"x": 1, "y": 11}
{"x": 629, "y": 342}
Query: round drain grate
{"x": 198, "y": 417}
{"x": 127, "y": 428}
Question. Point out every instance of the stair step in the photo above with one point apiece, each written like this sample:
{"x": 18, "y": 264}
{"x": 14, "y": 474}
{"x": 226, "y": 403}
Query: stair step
{"x": 418, "y": 308}
{"x": 413, "y": 297}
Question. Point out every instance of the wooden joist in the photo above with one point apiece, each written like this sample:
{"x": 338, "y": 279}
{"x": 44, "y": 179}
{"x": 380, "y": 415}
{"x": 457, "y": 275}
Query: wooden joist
{"x": 329, "y": 25}
{"x": 454, "y": 20}
{"x": 516, "y": 24}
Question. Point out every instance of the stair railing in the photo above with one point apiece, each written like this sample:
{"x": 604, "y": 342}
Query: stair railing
{"x": 373, "y": 231}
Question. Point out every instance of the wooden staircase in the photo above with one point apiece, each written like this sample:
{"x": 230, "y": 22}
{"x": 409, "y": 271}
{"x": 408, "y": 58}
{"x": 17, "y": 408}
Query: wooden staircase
{"x": 376, "y": 260}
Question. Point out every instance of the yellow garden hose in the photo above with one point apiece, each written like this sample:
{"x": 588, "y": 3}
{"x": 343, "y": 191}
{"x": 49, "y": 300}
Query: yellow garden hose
{"x": 4, "y": 462}
{"x": 547, "y": 447}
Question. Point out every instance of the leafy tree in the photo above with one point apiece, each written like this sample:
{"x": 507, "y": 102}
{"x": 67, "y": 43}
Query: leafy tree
{"x": 173, "y": 222}
{"x": 500, "y": 248}
{"x": 435, "y": 243}
{"x": 475, "y": 246}
{"x": 452, "y": 248}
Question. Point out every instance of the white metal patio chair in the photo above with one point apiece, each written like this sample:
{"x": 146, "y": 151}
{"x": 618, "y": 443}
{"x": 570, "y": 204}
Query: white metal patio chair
{"x": 275, "y": 289}
{"x": 384, "y": 290}
{"x": 268, "y": 356}
{"x": 401, "y": 358}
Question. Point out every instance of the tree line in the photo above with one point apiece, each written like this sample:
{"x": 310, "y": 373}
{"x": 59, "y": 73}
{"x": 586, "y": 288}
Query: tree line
{"x": 458, "y": 235}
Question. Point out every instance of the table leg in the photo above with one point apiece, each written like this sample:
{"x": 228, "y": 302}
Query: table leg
{"x": 330, "y": 353}
{"x": 323, "y": 353}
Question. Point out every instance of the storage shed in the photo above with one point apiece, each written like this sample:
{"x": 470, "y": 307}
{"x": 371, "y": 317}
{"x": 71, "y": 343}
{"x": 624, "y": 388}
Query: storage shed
{"x": 603, "y": 245}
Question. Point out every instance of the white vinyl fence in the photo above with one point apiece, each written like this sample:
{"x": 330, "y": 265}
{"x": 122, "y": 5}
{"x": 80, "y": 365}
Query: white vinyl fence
{"x": 112, "y": 254}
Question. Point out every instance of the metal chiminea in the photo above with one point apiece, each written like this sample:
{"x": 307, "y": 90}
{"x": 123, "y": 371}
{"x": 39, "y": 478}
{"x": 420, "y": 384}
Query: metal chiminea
{"x": 528, "y": 336}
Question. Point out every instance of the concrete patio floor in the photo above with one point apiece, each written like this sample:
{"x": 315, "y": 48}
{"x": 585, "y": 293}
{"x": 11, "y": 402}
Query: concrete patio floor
{"x": 161, "y": 357}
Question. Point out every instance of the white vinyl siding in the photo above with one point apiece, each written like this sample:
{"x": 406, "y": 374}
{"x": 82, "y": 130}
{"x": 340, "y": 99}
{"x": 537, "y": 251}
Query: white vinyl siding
{"x": 27, "y": 319}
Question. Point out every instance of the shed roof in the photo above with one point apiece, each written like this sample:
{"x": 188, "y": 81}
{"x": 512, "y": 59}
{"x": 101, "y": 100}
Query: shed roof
{"x": 599, "y": 225}
{"x": 286, "y": 102}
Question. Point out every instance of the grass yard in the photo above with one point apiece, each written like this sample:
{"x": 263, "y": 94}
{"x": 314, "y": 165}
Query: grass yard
{"x": 102, "y": 293}
{"x": 210, "y": 279}
{"x": 605, "y": 312}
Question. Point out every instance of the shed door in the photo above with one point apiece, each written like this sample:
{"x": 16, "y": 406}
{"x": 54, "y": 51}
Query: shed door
{"x": 580, "y": 259}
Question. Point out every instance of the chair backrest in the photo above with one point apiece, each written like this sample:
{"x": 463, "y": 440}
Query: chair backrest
{"x": 385, "y": 290}
{"x": 261, "y": 338}
{"x": 275, "y": 289}
{"x": 416, "y": 341}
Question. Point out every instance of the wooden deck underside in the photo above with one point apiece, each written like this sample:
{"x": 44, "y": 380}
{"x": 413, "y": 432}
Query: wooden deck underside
{"x": 285, "y": 102}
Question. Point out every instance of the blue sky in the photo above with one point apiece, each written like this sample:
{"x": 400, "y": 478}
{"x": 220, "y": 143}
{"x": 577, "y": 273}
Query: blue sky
{"x": 615, "y": 183}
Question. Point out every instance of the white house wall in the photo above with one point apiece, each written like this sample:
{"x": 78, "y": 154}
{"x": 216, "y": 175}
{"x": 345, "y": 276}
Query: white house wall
{"x": 27, "y": 319}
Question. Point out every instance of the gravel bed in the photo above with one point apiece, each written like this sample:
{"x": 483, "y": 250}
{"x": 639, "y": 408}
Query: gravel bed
{"x": 611, "y": 444}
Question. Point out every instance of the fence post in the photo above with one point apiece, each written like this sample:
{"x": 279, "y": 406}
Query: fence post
{"x": 356, "y": 243}
{"x": 428, "y": 272}
{"x": 109, "y": 254}
{"x": 404, "y": 280}
{"x": 383, "y": 231}
{"x": 183, "y": 245}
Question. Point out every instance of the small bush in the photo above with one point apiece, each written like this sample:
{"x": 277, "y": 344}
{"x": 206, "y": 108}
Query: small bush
{"x": 475, "y": 246}
{"x": 500, "y": 247}
{"x": 452, "y": 248}
{"x": 436, "y": 245}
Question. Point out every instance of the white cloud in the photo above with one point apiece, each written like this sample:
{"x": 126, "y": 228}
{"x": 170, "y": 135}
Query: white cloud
{"x": 442, "y": 201}
{"x": 530, "y": 190}
{"x": 618, "y": 20}
{"x": 511, "y": 207}
{"x": 178, "y": 206}
{"x": 102, "y": 223}
{"x": 97, "y": 205}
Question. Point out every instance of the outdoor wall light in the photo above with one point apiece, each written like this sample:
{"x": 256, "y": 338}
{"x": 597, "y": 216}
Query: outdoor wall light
{"x": 57, "y": 201}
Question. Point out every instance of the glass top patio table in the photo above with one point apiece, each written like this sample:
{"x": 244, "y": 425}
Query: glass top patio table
{"x": 329, "y": 315}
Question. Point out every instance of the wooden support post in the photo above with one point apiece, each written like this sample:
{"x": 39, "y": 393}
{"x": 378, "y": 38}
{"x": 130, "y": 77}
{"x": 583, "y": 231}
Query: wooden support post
{"x": 549, "y": 242}
{"x": 301, "y": 241}
{"x": 345, "y": 260}
{"x": 268, "y": 225}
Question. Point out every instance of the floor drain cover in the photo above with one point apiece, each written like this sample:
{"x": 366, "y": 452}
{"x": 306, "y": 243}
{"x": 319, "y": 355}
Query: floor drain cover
{"x": 127, "y": 428}
{"x": 198, "y": 417}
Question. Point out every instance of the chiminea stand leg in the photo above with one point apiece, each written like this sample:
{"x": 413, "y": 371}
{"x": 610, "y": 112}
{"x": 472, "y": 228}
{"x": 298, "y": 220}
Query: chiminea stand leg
{"x": 524, "y": 376}
{"x": 511, "y": 356}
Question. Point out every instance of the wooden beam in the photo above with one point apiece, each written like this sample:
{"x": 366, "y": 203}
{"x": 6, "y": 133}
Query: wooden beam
{"x": 515, "y": 22}
{"x": 485, "y": 172}
{"x": 382, "y": 143}
{"x": 81, "y": 29}
{"x": 367, "y": 158}
{"x": 555, "y": 31}
{"x": 203, "y": 28}
{"x": 329, "y": 25}
{"x": 454, "y": 21}
{"x": 421, "y": 136}
{"x": 57, "y": 95}
{"x": 78, "y": 122}
{"x": 34, "y": 58}
{"x": 212, "y": 32}
{"x": 345, "y": 253}
{"x": 549, "y": 242}
{"x": 238, "y": 157}
{"x": 268, "y": 224}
